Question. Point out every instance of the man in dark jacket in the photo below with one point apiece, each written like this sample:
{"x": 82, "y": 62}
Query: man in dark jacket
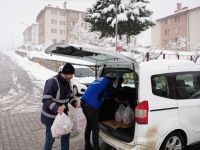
{"x": 91, "y": 102}
{"x": 57, "y": 94}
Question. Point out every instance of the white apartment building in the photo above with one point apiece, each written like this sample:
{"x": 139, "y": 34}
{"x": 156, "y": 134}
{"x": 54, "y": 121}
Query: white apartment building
{"x": 55, "y": 24}
{"x": 183, "y": 23}
{"x": 31, "y": 34}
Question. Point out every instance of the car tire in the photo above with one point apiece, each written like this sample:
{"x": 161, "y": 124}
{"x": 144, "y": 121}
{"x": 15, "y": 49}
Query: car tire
{"x": 75, "y": 91}
{"x": 173, "y": 141}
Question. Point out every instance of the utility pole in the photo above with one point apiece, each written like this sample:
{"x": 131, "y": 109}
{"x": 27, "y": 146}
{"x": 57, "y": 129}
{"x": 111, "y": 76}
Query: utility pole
{"x": 116, "y": 25}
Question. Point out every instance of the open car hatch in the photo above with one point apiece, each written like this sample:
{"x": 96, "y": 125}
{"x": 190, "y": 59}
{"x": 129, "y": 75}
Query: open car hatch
{"x": 95, "y": 55}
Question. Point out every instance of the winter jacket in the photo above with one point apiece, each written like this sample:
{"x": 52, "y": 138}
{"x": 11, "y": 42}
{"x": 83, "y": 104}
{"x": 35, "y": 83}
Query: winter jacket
{"x": 57, "y": 91}
{"x": 97, "y": 91}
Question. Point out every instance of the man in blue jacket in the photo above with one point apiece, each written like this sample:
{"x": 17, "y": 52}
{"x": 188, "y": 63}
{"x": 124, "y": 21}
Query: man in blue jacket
{"x": 91, "y": 102}
{"x": 57, "y": 94}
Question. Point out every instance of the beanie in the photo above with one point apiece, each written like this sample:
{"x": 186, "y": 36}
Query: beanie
{"x": 68, "y": 69}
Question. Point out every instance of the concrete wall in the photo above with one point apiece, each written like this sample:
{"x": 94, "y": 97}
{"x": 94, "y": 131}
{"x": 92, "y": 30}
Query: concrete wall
{"x": 50, "y": 64}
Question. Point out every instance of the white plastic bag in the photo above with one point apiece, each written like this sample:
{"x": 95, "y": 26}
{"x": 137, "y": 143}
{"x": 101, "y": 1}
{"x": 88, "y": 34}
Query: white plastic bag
{"x": 119, "y": 113}
{"x": 62, "y": 125}
{"x": 128, "y": 115}
{"x": 79, "y": 120}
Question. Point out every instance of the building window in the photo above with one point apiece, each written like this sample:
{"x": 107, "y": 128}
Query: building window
{"x": 52, "y": 30}
{"x": 178, "y": 29}
{"x": 52, "y": 21}
{"x": 54, "y": 40}
{"x": 63, "y": 31}
{"x": 74, "y": 14}
{"x": 165, "y": 42}
{"x": 62, "y": 41}
{"x": 83, "y": 15}
{"x": 62, "y": 13}
{"x": 60, "y": 31}
{"x": 177, "y": 18}
{"x": 55, "y": 31}
{"x": 60, "y": 22}
{"x": 73, "y": 23}
{"x": 167, "y": 32}
{"x": 63, "y": 22}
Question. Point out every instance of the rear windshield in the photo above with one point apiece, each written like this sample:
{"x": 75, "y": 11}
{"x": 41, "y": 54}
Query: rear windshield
{"x": 125, "y": 77}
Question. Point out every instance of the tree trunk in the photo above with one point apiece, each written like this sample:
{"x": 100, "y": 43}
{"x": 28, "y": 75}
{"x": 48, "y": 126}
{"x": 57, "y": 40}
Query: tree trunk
{"x": 120, "y": 37}
{"x": 128, "y": 39}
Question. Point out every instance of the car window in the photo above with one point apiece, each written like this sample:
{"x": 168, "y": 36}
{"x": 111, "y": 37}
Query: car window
{"x": 187, "y": 86}
{"x": 160, "y": 86}
{"x": 84, "y": 72}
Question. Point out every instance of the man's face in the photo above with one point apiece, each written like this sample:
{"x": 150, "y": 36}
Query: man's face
{"x": 68, "y": 76}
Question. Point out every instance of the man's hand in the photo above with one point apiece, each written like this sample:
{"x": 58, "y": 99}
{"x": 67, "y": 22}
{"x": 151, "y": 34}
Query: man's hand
{"x": 77, "y": 105}
{"x": 61, "y": 109}
{"x": 118, "y": 101}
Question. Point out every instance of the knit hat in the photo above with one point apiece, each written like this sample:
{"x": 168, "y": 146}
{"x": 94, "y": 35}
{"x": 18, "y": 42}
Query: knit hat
{"x": 68, "y": 69}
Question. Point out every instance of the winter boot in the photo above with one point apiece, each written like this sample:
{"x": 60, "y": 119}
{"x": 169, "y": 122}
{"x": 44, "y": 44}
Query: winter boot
{"x": 88, "y": 147}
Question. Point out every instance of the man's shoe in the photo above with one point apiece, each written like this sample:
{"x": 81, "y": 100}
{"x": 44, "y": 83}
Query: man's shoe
{"x": 88, "y": 147}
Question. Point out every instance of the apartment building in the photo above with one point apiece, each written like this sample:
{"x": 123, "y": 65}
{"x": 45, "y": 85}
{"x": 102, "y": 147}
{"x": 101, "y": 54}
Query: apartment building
{"x": 31, "y": 34}
{"x": 176, "y": 29}
{"x": 56, "y": 24}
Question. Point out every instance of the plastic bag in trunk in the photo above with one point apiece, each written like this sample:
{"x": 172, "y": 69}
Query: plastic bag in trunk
{"x": 119, "y": 113}
{"x": 62, "y": 125}
{"x": 128, "y": 115}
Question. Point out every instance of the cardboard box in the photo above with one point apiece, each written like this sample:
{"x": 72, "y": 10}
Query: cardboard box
{"x": 114, "y": 124}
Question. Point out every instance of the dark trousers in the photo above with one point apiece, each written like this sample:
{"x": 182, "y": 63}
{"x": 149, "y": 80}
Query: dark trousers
{"x": 92, "y": 116}
{"x": 49, "y": 140}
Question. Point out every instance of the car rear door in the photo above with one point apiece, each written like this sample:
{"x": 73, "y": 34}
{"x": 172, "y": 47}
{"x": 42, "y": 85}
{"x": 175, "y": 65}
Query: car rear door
{"x": 96, "y": 55}
{"x": 187, "y": 94}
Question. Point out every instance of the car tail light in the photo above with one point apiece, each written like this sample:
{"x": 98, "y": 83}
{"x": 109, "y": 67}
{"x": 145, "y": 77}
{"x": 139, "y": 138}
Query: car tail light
{"x": 141, "y": 112}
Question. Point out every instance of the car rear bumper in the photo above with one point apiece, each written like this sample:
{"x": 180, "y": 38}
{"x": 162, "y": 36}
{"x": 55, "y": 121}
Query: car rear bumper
{"x": 120, "y": 145}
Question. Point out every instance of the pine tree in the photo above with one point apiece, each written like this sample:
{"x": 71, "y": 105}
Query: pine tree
{"x": 132, "y": 16}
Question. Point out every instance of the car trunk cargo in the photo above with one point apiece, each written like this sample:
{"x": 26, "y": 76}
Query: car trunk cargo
{"x": 109, "y": 125}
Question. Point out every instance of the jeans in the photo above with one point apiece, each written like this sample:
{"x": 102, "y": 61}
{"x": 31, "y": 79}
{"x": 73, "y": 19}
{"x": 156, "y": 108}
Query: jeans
{"x": 49, "y": 140}
{"x": 92, "y": 116}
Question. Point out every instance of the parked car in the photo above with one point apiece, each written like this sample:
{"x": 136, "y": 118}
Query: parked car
{"x": 164, "y": 95}
{"x": 83, "y": 77}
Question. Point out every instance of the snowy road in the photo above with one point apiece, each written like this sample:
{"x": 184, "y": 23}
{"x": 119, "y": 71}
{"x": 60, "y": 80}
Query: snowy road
{"x": 18, "y": 93}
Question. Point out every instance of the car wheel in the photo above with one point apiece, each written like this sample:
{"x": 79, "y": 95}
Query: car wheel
{"x": 75, "y": 91}
{"x": 173, "y": 141}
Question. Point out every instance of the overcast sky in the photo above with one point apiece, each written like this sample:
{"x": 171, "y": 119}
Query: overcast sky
{"x": 15, "y": 15}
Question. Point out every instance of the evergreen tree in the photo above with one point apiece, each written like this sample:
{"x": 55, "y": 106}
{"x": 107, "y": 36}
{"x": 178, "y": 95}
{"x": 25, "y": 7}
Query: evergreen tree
{"x": 132, "y": 17}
